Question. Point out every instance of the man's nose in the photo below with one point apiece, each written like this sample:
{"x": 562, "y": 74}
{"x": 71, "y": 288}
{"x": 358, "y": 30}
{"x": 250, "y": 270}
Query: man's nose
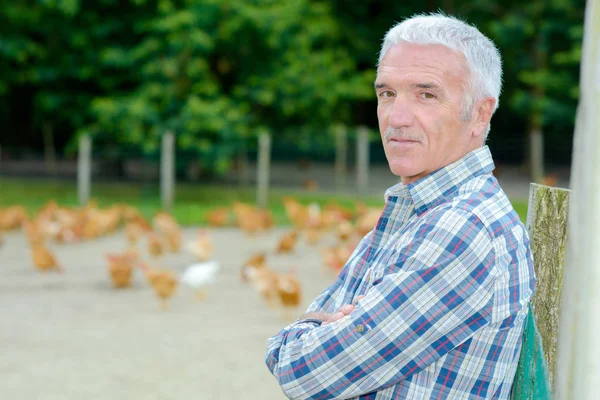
{"x": 401, "y": 114}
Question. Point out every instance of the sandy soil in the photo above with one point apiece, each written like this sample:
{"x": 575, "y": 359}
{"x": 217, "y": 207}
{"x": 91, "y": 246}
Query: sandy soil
{"x": 73, "y": 336}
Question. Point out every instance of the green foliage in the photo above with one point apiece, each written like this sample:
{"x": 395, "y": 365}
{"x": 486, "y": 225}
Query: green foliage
{"x": 219, "y": 72}
{"x": 542, "y": 71}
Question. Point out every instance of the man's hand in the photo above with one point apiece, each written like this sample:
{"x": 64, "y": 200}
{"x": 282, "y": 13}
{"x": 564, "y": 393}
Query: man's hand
{"x": 328, "y": 318}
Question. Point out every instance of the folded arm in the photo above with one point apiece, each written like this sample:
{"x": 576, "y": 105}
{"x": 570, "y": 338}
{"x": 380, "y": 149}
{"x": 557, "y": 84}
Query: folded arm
{"x": 434, "y": 297}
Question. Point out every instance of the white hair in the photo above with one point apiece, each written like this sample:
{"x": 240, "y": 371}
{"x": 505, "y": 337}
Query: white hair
{"x": 483, "y": 58}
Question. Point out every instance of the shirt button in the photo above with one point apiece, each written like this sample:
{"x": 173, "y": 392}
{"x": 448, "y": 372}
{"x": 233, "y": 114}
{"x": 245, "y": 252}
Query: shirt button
{"x": 360, "y": 328}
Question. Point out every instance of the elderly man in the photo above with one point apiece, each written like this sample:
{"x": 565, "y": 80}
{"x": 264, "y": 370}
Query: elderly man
{"x": 432, "y": 302}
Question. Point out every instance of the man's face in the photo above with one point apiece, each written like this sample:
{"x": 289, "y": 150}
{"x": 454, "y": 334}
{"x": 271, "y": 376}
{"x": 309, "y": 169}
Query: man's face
{"x": 420, "y": 92}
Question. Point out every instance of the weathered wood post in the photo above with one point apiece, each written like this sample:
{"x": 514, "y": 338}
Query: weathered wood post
{"x": 264, "y": 167}
{"x": 547, "y": 218}
{"x": 547, "y": 227}
{"x": 0, "y": 166}
{"x": 167, "y": 170}
{"x": 536, "y": 154}
{"x": 362, "y": 160}
{"x": 578, "y": 373}
{"x": 84, "y": 168}
{"x": 49, "y": 149}
{"x": 243, "y": 165}
{"x": 341, "y": 150}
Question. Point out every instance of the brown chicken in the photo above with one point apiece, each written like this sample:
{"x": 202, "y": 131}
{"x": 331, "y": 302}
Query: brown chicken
{"x": 345, "y": 230}
{"x": 173, "y": 240}
{"x": 257, "y": 261}
{"x": 267, "y": 219}
{"x": 264, "y": 281}
{"x": 120, "y": 267}
{"x": 32, "y": 233}
{"x": 315, "y": 224}
{"x": 342, "y": 213}
{"x": 550, "y": 180}
{"x": 108, "y": 219}
{"x": 296, "y": 212}
{"x": 287, "y": 242}
{"x": 155, "y": 246}
{"x": 289, "y": 291}
{"x": 134, "y": 231}
{"x": 313, "y": 235}
{"x": 310, "y": 185}
{"x": 368, "y": 220}
{"x": 49, "y": 208}
{"x": 201, "y": 247}
{"x": 132, "y": 214}
{"x": 218, "y": 217}
{"x": 335, "y": 257}
{"x": 168, "y": 228}
{"x": 66, "y": 226}
{"x": 165, "y": 222}
{"x": 44, "y": 259}
{"x": 45, "y": 221}
{"x": 92, "y": 225}
{"x": 12, "y": 217}
{"x": 163, "y": 282}
{"x": 250, "y": 219}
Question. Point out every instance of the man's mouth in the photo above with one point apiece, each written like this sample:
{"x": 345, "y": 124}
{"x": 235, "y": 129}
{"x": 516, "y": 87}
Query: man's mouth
{"x": 402, "y": 140}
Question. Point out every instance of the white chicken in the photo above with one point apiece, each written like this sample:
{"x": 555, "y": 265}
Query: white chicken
{"x": 197, "y": 276}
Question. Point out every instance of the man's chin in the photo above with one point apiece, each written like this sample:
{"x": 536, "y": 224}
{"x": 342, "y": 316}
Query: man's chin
{"x": 403, "y": 171}
{"x": 407, "y": 174}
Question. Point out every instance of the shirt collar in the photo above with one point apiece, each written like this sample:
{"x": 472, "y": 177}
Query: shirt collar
{"x": 435, "y": 187}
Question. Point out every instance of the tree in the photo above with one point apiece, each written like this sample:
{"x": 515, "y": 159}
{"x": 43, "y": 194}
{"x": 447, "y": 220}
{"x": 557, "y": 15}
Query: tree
{"x": 541, "y": 42}
{"x": 215, "y": 71}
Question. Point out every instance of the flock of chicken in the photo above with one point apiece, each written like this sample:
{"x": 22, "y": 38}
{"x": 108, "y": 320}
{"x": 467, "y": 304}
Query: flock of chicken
{"x": 163, "y": 234}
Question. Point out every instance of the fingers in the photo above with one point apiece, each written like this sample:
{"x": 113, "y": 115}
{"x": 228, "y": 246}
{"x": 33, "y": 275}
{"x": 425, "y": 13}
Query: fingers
{"x": 347, "y": 309}
{"x": 342, "y": 312}
{"x": 334, "y": 317}
{"x": 315, "y": 315}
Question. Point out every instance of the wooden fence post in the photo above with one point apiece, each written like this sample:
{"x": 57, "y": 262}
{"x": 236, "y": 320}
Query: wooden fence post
{"x": 264, "y": 166}
{"x": 49, "y": 149}
{"x": 341, "y": 150}
{"x": 243, "y": 166}
{"x": 167, "y": 170}
{"x": 362, "y": 160}
{"x": 578, "y": 373}
{"x": 547, "y": 216}
{"x": 536, "y": 154}
{"x": 547, "y": 226}
{"x": 84, "y": 168}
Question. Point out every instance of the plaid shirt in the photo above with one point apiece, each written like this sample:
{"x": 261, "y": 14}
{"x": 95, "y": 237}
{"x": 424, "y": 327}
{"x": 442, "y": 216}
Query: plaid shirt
{"x": 447, "y": 275}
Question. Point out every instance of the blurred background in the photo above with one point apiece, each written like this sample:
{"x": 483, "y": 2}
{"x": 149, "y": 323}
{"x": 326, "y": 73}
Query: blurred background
{"x": 254, "y": 102}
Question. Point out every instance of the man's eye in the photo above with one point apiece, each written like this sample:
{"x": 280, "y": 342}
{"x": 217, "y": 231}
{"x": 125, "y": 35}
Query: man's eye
{"x": 427, "y": 95}
{"x": 386, "y": 93}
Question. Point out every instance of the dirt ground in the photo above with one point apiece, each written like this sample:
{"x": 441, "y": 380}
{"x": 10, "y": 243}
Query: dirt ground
{"x": 73, "y": 336}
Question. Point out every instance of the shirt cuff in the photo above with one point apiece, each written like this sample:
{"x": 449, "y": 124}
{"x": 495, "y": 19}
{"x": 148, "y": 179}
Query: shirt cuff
{"x": 318, "y": 322}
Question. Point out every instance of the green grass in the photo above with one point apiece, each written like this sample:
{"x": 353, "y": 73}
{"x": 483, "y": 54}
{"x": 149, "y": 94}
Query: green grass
{"x": 192, "y": 201}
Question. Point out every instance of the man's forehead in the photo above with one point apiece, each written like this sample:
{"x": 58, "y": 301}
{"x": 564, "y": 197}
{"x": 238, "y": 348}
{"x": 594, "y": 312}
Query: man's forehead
{"x": 417, "y": 61}
{"x": 422, "y": 55}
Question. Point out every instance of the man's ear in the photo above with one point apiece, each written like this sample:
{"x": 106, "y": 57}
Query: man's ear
{"x": 483, "y": 115}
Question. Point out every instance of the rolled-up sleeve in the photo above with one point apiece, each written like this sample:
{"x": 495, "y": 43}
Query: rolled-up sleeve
{"x": 438, "y": 292}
